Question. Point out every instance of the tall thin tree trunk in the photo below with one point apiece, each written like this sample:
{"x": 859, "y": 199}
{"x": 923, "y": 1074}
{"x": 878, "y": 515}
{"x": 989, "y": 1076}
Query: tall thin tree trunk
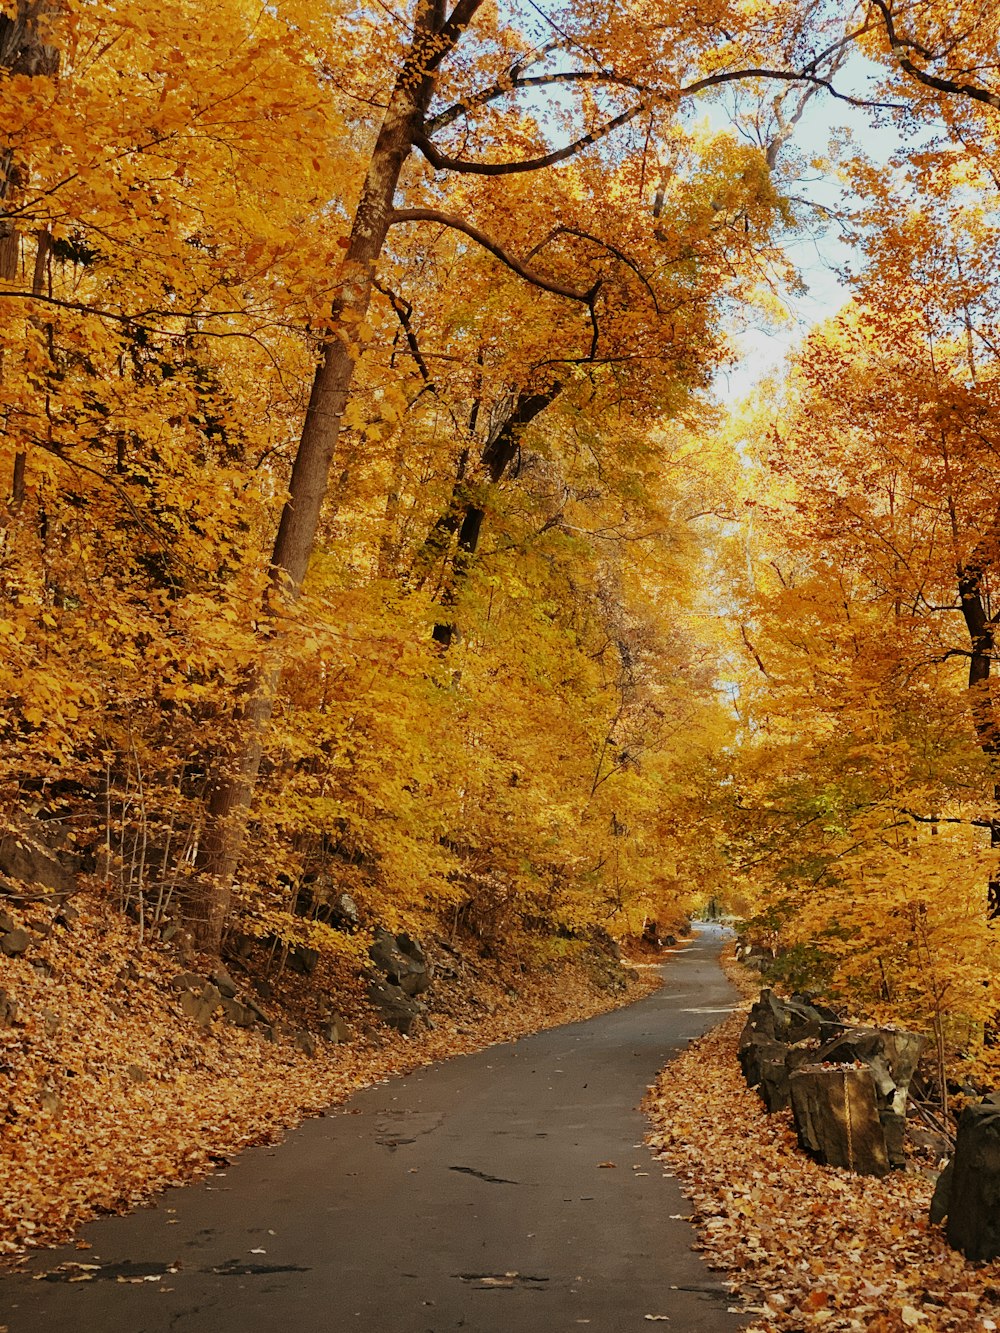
{"x": 498, "y": 453}
{"x": 982, "y": 640}
{"x": 993, "y": 891}
{"x": 231, "y": 788}
{"x": 23, "y": 50}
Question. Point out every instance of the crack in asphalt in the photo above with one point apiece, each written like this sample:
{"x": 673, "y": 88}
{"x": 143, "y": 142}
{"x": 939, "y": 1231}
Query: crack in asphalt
{"x": 503, "y": 1281}
{"x": 138, "y": 1271}
{"x": 483, "y": 1175}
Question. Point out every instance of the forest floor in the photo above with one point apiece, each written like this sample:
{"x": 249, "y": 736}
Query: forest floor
{"x": 806, "y": 1246}
{"x": 111, "y": 1093}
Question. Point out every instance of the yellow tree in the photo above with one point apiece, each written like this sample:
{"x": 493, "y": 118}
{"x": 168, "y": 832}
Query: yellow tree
{"x": 137, "y": 500}
{"x": 860, "y": 813}
{"x": 458, "y": 73}
{"x": 177, "y": 215}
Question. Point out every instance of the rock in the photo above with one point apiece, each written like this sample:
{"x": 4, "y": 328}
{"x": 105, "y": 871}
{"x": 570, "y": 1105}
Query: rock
{"x": 402, "y": 960}
{"x": 255, "y": 1009}
{"x": 773, "y": 1028}
{"x": 783, "y": 1020}
{"x": 8, "y": 1009}
{"x": 812, "y": 1001}
{"x": 941, "y": 1199}
{"x": 26, "y": 859}
{"x": 189, "y": 981}
{"x": 51, "y": 1022}
{"x": 201, "y": 1005}
{"x": 974, "y": 1197}
{"x": 305, "y": 1042}
{"x": 831, "y": 1025}
{"x": 344, "y": 913}
{"x": 837, "y": 1119}
{"x": 335, "y": 1029}
{"x": 891, "y": 1054}
{"x": 763, "y": 1063}
{"x": 7, "y": 923}
{"x": 240, "y": 1015}
{"x": 180, "y": 940}
{"x": 398, "y": 1009}
{"x": 240, "y": 946}
{"x": 803, "y": 1032}
{"x": 137, "y": 1074}
{"x": 930, "y": 1141}
{"x": 15, "y": 942}
{"x": 894, "y": 1130}
{"x": 602, "y": 938}
{"x": 755, "y": 957}
{"x": 302, "y": 959}
{"x": 223, "y": 982}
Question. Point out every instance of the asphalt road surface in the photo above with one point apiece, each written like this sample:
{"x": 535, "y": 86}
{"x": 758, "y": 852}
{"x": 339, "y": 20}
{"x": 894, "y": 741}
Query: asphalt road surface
{"x": 469, "y": 1195}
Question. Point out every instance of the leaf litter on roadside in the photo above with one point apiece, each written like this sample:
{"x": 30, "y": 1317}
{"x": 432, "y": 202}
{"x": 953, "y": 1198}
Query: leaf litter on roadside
{"x": 806, "y": 1246}
{"x": 81, "y": 1135}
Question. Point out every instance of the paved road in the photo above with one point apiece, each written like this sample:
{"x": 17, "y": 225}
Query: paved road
{"x": 469, "y": 1195}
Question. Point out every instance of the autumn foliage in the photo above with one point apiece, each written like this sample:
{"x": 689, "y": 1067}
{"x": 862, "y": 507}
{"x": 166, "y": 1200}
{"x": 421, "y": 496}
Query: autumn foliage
{"x": 476, "y": 702}
{"x": 367, "y": 515}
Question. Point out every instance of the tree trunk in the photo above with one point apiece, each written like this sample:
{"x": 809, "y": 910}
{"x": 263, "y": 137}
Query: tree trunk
{"x": 231, "y": 787}
{"x": 22, "y": 51}
{"x": 982, "y": 636}
{"x": 993, "y": 891}
{"x": 498, "y": 453}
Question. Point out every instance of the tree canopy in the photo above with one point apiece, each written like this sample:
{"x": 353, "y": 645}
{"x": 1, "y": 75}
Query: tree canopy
{"x": 369, "y": 512}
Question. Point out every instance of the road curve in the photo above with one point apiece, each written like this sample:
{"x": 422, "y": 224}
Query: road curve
{"x": 475, "y": 1194}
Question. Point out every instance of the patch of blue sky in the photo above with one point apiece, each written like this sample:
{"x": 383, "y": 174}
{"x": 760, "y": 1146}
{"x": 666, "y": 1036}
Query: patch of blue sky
{"x": 822, "y": 254}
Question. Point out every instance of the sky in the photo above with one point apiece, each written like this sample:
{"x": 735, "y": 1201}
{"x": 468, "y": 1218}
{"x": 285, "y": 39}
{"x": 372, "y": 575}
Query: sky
{"x": 821, "y": 256}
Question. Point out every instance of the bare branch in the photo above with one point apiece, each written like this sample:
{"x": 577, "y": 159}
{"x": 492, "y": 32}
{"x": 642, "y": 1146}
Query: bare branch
{"x": 786, "y": 127}
{"x": 604, "y": 245}
{"x": 439, "y": 36}
{"x": 946, "y": 819}
{"x": 597, "y": 332}
{"x": 459, "y": 19}
{"x": 404, "y": 312}
{"x": 117, "y": 317}
{"x": 752, "y": 650}
{"x": 498, "y": 89}
{"x": 515, "y": 83}
{"x": 900, "y": 46}
{"x": 784, "y": 76}
{"x": 474, "y": 234}
{"x": 442, "y": 162}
